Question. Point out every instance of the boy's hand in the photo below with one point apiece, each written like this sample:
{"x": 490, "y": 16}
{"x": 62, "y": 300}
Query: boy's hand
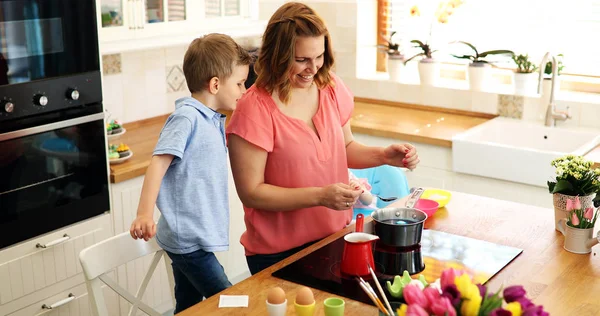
{"x": 339, "y": 196}
{"x": 143, "y": 227}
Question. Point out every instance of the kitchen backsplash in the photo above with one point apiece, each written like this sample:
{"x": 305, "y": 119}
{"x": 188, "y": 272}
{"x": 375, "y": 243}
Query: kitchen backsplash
{"x": 144, "y": 84}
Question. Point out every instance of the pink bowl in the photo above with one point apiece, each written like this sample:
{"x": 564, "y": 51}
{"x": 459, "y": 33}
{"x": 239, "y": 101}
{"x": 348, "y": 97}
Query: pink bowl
{"x": 427, "y": 206}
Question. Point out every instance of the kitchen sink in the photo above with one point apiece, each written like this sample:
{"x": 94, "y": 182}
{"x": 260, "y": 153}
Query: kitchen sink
{"x": 517, "y": 150}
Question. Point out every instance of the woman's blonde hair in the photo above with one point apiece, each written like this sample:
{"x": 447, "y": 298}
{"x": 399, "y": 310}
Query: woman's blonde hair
{"x": 277, "y": 53}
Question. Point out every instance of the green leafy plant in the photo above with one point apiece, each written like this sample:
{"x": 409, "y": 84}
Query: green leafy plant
{"x": 391, "y": 48}
{"x": 478, "y": 57}
{"x": 426, "y": 50}
{"x": 574, "y": 176}
{"x": 548, "y": 67}
{"x": 524, "y": 65}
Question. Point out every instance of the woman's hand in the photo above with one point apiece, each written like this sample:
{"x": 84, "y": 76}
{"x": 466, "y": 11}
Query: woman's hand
{"x": 401, "y": 155}
{"x": 339, "y": 196}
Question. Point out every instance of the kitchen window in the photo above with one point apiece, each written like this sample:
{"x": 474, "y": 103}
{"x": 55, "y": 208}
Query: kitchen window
{"x": 531, "y": 27}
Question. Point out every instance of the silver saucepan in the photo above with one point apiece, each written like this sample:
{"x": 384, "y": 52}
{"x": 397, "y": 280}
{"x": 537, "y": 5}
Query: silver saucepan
{"x": 400, "y": 226}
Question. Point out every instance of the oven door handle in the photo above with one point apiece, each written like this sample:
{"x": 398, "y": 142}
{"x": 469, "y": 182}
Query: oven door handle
{"x": 51, "y": 126}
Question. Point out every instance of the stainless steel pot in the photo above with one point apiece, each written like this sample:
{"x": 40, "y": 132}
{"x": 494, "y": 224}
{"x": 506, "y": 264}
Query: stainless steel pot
{"x": 399, "y": 226}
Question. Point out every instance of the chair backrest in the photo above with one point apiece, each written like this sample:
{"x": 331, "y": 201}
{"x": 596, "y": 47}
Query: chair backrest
{"x": 101, "y": 258}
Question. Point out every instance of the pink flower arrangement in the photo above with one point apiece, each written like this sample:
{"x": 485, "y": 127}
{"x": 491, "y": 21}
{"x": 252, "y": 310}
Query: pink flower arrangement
{"x": 579, "y": 217}
{"x": 460, "y": 296}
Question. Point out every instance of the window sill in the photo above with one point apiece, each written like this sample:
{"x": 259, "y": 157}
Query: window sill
{"x": 497, "y": 88}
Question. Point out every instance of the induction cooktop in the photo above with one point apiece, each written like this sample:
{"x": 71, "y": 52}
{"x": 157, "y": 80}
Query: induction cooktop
{"x": 437, "y": 251}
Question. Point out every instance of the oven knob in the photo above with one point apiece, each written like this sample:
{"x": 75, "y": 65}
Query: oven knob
{"x": 40, "y": 99}
{"x": 73, "y": 94}
{"x": 7, "y": 106}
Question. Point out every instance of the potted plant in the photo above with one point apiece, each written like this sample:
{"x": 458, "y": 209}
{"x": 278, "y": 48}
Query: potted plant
{"x": 479, "y": 73}
{"x": 574, "y": 178}
{"x": 578, "y": 227}
{"x": 428, "y": 67}
{"x": 395, "y": 57}
{"x": 525, "y": 78}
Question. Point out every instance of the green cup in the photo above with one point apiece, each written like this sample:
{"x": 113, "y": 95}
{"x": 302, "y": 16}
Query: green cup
{"x": 334, "y": 306}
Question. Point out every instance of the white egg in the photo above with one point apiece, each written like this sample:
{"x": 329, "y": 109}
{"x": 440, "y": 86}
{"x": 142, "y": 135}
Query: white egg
{"x": 366, "y": 198}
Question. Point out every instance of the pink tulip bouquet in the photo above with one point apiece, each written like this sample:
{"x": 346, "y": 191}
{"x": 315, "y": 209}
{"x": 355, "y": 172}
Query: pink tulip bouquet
{"x": 579, "y": 217}
{"x": 456, "y": 294}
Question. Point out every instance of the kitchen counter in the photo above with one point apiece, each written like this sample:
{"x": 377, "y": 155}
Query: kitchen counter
{"x": 565, "y": 283}
{"x": 414, "y": 123}
{"x": 371, "y": 117}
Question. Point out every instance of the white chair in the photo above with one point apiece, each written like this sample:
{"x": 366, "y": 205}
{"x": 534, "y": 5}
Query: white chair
{"x": 103, "y": 257}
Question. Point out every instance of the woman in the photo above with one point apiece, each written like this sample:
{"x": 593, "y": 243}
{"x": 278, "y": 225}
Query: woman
{"x": 290, "y": 142}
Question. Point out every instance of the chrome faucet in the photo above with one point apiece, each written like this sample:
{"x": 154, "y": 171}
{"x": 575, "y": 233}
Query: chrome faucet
{"x": 551, "y": 114}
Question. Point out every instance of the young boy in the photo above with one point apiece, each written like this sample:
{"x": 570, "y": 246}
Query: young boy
{"x": 187, "y": 176}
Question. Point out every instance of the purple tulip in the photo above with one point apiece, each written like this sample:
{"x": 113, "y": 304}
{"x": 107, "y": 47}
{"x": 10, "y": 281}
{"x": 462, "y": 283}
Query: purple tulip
{"x": 482, "y": 290}
{"x": 535, "y": 311}
{"x": 500, "y": 312}
{"x": 525, "y": 302}
{"x": 513, "y": 293}
{"x": 452, "y": 293}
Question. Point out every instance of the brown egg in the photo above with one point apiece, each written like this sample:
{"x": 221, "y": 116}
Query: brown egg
{"x": 305, "y": 296}
{"x": 276, "y": 296}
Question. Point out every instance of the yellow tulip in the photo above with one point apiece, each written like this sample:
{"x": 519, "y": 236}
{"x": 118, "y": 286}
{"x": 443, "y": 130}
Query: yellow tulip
{"x": 472, "y": 301}
{"x": 462, "y": 283}
{"x": 514, "y": 308}
{"x": 401, "y": 311}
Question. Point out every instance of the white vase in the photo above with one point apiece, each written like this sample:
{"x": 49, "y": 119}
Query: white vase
{"x": 428, "y": 72}
{"x": 395, "y": 68}
{"x": 577, "y": 240}
{"x": 525, "y": 83}
{"x": 479, "y": 76}
{"x": 560, "y": 205}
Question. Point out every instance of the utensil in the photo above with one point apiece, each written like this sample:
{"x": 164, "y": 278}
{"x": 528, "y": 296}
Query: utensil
{"x": 387, "y": 303}
{"x": 358, "y": 250}
{"x": 385, "y": 199}
{"x": 399, "y": 226}
{"x": 414, "y": 197}
{"x": 365, "y": 287}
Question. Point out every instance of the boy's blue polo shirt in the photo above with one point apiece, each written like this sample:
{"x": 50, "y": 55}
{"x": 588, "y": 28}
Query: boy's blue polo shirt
{"x": 193, "y": 197}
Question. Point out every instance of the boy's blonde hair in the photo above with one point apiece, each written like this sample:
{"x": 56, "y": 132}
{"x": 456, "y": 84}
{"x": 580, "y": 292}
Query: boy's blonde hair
{"x": 277, "y": 53}
{"x": 213, "y": 55}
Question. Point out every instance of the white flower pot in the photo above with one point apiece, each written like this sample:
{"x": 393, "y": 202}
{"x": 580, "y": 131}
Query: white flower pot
{"x": 525, "y": 83}
{"x": 479, "y": 76}
{"x": 560, "y": 205}
{"x": 395, "y": 68}
{"x": 428, "y": 72}
{"x": 576, "y": 239}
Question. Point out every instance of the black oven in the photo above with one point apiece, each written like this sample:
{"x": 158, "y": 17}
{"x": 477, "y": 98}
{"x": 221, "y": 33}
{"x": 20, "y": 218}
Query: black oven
{"x": 53, "y": 161}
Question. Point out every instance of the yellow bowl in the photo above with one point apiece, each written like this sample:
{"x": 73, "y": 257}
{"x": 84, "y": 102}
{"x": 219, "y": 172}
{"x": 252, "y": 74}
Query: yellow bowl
{"x": 438, "y": 195}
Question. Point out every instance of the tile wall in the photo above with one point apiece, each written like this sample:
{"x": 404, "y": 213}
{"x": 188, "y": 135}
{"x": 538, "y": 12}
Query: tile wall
{"x": 144, "y": 84}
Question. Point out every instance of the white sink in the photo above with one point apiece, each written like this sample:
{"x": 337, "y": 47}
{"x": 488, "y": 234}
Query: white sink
{"x": 516, "y": 150}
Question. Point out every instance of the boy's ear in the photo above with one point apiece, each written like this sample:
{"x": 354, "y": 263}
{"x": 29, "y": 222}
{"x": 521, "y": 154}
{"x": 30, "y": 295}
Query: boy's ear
{"x": 214, "y": 85}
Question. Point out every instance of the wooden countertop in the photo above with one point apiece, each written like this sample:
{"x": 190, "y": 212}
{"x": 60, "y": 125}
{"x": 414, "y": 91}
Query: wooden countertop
{"x": 372, "y": 117}
{"x": 415, "y": 123}
{"x": 565, "y": 283}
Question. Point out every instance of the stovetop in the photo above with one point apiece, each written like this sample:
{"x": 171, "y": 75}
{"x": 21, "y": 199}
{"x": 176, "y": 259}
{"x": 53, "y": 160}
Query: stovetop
{"x": 438, "y": 251}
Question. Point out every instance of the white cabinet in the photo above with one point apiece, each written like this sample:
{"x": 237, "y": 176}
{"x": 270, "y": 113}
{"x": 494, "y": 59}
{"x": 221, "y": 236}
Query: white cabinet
{"x": 29, "y": 274}
{"x": 131, "y": 19}
{"x": 141, "y": 24}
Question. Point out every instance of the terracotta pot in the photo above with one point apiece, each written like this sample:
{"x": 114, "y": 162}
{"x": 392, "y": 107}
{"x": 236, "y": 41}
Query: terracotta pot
{"x": 560, "y": 205}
